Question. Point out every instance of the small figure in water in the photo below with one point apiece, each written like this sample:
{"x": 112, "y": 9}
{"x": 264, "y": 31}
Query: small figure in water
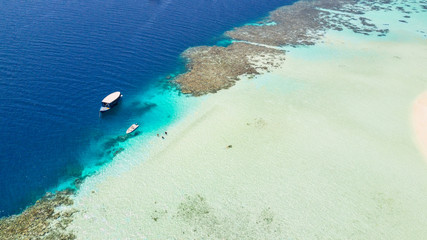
{"x": 166, "y": 133}
{"x": 158, "y": 135}
{"x": 163, "y": 137}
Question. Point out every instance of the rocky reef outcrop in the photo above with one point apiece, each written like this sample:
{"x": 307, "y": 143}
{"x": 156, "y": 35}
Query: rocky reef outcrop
{"x": 41, "y": 221}
{"x": 302, "y": 23}
{"x": 213, "y": 68}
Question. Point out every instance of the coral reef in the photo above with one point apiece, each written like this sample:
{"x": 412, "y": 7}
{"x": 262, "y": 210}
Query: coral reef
{"x": 305, "y": 21}
{"x": 213, "y": 68}
{"x": 198, "y": 219}
{"x": 302, "y": 23}
{"x": 254, "y": 48}
{"x": 42, "y": 220}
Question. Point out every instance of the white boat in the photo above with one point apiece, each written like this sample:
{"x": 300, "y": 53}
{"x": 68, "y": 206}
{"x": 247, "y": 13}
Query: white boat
{"x": 132, "y": 128}
{"x": 110, "y": 101}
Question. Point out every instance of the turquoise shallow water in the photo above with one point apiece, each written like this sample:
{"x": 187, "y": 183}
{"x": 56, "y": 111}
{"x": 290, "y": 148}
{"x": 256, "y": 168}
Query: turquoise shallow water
{"x": 321, "y": 149}
{"x": 59, "y": 59}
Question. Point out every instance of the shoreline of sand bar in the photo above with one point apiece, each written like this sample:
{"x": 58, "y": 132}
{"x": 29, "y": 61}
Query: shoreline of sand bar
{"x": 319, "y": 148}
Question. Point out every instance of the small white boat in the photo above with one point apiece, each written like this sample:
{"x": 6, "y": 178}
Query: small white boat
{"x": 110, "y": 101}
{"x": 132, "y": 128}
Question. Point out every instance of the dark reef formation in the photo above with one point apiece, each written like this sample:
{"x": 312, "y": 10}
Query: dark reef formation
{"x": 305, "y": 21}
{"x": 256, "y": 48}
{"x": 211, "y": 68}
{"x": 40, "y": 221}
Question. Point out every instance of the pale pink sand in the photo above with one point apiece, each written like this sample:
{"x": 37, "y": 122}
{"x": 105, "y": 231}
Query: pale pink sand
{"x": 419, "y": 120}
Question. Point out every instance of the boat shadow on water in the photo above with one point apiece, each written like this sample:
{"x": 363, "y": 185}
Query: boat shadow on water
{"x": 135, "y": 108}
{"x": 110, "y": 113}
{"x": 139, "y": 108}
{"x": 110, "y": 149}
{"x": 112, "y": 146}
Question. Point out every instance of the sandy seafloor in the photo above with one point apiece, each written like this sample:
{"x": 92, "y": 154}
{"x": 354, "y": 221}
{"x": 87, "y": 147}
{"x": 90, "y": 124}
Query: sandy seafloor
{"x": 321, "y": 148}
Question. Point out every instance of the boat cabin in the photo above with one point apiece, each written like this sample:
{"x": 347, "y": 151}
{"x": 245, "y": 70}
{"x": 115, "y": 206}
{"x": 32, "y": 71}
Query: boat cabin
{"x": 110, "y": 101}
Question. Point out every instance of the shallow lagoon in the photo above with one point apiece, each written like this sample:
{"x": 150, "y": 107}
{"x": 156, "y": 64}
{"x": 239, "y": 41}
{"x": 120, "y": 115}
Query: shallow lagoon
{"x": 321, "y": 148}
{"x": 59, "y": 59}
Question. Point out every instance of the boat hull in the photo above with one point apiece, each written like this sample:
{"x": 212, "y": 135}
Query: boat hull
{"x": 132, "y": 128}
{"x": 104, "y": 109}
{"x": 109, "y": 106}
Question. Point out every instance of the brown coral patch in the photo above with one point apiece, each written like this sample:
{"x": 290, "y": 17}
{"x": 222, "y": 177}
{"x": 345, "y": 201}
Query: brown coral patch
{"x": 35, "y": 221}
{"x": 305, "y": 21}
{"x": 302, "y": 23}
{"x": 213, "y": 68}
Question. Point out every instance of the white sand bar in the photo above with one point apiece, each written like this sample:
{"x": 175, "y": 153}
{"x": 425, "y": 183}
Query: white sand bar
{"x": 321, "y": 148}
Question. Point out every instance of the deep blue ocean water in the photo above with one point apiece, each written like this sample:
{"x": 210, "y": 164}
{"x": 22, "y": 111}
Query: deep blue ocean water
{"x": 58, "y": 59}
